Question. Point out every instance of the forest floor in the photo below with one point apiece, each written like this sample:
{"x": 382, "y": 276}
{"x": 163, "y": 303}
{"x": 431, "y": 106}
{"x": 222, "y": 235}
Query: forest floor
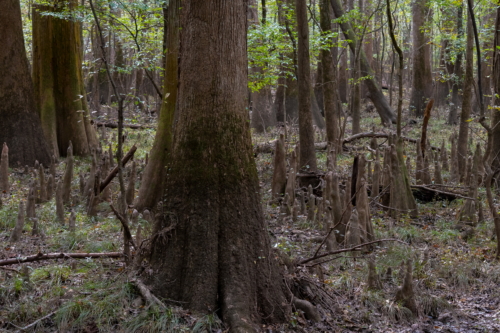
{"x": 456, "y": 281}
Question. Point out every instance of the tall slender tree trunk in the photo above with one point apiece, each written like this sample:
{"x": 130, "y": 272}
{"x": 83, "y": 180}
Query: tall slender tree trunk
{"x": 211, "y": 251}
{"x": 329, "y": 82}
{"x": 463, "y": 133}
{"x": 20, "y": 125}
{"x": 422, "y": 75}
{"x": 457, "y": 71}
{"x": 307, "y": 157}
{"x": 377, "y": 97}
{"x": 154, "y": 174}
{"x": 495, "y": 113}
{"x": 260, "y": 101}
{"x": 57, "y": 59}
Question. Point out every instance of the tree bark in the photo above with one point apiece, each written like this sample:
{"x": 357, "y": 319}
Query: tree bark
{"x": 457, "y": 72}
{"x": 377, "y": 97}
{"x": 307, "y": 158}
{"x": 20, "y": 126}
{"x": 463, "y": 132}
{"x": 57, "y": 59}
{"x": 152, "y": 184}
{"x": 495, "y": 116}
{"x": 422, "y": 76}
{"x": 330, "y": 87}
{"x": 211, "y": 252}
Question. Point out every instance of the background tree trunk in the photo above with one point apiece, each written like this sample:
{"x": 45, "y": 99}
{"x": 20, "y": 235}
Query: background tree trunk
{"x": 495, "y": 116}
{"x": 463, "y": 132}
{"x": 307, "y": 157}
{"x": 329, "y": 80}
{"x": 217, "y": 256}
{"x": 154, "y": 174}
{"x": 20, "y": 126}
{"x": 377, "y": 97}
{"x": 59, "y": 81}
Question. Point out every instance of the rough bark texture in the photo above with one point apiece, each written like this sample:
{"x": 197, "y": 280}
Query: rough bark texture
{"x": 153, "y": 178}
{"x": 422, "y": 76}
{"x": 58, "y": 78}
{"x": 307, "y": 158}
{"x": 21, "y": 127}
{"x": 4, "y": 169}
{"x": 279, "y": 169}
{"x": 211, "y": 251}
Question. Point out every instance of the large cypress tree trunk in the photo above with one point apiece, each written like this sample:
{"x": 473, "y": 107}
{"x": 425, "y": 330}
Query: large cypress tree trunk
{"x": 154, "y": 174}
{"x": 20, "y": 126}
{"x": 57, "y": 73}
{"x": 211, "y": 251}
{"x": 422, "y": 76}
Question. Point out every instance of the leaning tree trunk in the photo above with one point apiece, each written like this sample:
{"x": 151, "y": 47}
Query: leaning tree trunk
{"x": 377, "y": 97}
{"x": 211, "y": 251}
{"x": 422, "y": 76}
{"x": 20, "y": 126}
{"x": 154, "y": 173}
{"x": 57, "y": 73}
{"x": 307, "y": 157}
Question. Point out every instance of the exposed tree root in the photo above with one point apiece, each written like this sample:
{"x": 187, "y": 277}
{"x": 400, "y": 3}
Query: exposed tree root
{"x": 147, "y": 295}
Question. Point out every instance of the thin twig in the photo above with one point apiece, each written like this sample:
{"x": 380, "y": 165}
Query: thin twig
{"x": 354, "y": 248}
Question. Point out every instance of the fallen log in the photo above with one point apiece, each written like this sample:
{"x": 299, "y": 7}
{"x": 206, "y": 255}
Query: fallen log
{"x": 268, "y": 147}
{"x": 114, "y": 172}
{"x": 48, "y": 256}
{"x": 115, "y": 125}
{"x": 428, "y": 193}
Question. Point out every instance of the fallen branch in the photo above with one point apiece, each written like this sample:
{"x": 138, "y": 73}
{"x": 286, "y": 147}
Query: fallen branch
{"x": 428, "y": 194}
{"x": 354, "y": 248}
{"x": 126, "y": 229}
{"x": 34, "y": 323}
{"x": 48, "y": 256}
{"x": 114, "y": 172}
{"x": 146, "y": 293}
{"x": 268, "y": 147}
{"x": 115, "y": 125}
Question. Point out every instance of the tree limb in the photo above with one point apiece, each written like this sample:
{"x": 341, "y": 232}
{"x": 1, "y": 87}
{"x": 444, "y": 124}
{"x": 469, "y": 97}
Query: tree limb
{"x": 48, "y": 256}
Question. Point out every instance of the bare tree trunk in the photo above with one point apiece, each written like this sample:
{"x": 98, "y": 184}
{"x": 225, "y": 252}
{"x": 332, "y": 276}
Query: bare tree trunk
{"x": 377, "y": 97}
{"x": 154, "y": 174}
{"x": 211, "y": 252}
{"x": 463, "y": 133}
{"x": 20, "y": 126}
{"x": 57, "y": 52}
{"x": 422, "y": 76}
{"x": 495, "y": 116}
{"x": 457, "y": 71}
{"x": 307, "y": 157}
{"x": 332, "y": 115}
